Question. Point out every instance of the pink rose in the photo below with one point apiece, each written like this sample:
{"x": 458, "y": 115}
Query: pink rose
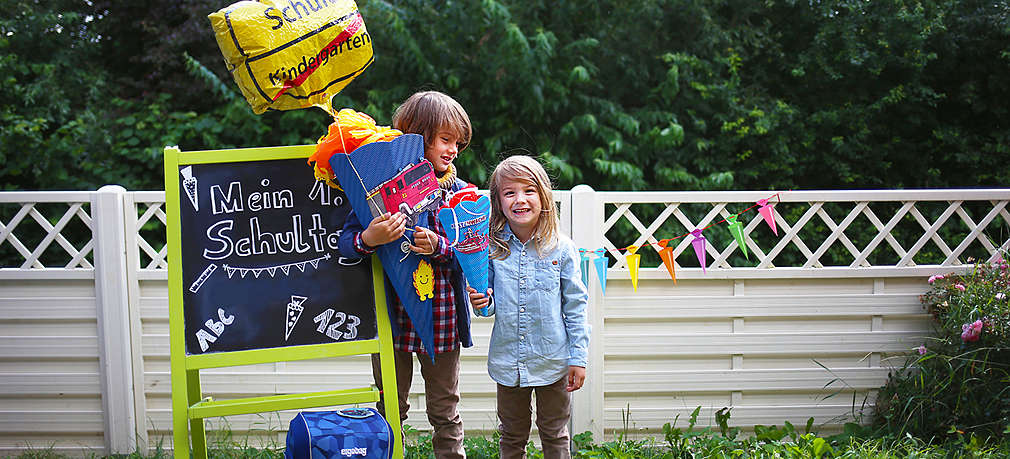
{"x": 971, "y": 332}
{"x": 934, "y": 278}
{"x": 921, "y": 350}
{"x": 959, "y": 286}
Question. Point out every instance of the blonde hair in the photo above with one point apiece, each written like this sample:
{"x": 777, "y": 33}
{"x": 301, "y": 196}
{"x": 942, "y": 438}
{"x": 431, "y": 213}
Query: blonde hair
{"x": 428, "y": 112}
{"x": 523, "y": 169}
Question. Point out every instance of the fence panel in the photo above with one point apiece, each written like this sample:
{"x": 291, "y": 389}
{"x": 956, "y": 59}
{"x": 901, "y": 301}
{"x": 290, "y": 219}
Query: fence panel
{"x": 805, "y": 324}
{"x": 50, "y": 378}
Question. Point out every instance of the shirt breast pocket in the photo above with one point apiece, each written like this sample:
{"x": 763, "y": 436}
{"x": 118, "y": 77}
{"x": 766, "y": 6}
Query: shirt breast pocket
{"x": 548, "y": 275}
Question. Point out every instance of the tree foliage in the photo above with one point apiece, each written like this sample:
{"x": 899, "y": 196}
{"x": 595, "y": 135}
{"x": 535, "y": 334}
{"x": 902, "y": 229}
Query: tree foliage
{"x": 637, "y": 95}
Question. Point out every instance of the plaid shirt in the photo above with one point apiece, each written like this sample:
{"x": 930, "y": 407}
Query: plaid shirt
{"x": 443, "y": 306}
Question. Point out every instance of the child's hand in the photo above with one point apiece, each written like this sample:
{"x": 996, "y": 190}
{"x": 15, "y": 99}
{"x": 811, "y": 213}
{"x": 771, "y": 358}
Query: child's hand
{"x": 425, "y": 241}
{"x": 576, "y": 376}
{"x": 479, "y": 300}
{"x": 384, "y": 229}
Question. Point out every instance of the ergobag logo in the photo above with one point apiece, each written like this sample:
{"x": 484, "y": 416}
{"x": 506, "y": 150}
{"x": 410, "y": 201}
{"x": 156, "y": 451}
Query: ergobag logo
{"x": 348, "y": 452}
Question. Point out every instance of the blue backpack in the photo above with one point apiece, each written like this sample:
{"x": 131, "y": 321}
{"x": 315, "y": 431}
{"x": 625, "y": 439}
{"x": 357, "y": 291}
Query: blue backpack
{"x": 347, "y": 433}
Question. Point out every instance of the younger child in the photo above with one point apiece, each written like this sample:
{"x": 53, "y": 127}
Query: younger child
{"x": 540, "y": 337}
{"x": 446, "y": 129}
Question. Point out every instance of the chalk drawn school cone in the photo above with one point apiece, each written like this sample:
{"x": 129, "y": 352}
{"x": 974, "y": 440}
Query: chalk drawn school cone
{"x": 189, "y": 183}
{"x": 466, "y": 225}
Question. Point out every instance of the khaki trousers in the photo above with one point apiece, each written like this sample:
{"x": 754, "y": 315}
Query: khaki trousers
{"x": 553, "y": 412}
{"x": 441, "y": 392}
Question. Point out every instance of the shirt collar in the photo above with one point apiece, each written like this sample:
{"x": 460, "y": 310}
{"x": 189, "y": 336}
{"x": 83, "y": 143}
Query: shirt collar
{"x": 506, "y": 234}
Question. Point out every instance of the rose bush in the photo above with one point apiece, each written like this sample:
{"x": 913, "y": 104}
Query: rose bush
{"x": 958, "y": 380}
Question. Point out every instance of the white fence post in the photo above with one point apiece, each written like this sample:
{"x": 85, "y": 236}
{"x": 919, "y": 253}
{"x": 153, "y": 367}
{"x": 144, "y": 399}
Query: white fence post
{"x": 587, "y": 219}
{"x": 114, "y": 352}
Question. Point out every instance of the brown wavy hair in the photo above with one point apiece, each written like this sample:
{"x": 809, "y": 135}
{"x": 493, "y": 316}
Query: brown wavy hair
{"x": 523, "y": 169}
{"x": 427, "y": 112}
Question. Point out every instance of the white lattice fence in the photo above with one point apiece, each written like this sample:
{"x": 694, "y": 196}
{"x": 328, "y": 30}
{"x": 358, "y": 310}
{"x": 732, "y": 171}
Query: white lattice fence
{"x": 801, "y": 327}
{"x": 40, "y": 230}
{"x": 851, "y": 229}
{"x": 148, "y": 224}
{"x": 83, "y": 329}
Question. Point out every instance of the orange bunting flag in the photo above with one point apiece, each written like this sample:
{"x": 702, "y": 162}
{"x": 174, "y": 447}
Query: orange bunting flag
{"x": 666, "y": 253}
{"x": 699, "y": 248}
{"x": 768, "y": 212}
{"x": 634, "y": 260}
{"x": 350, "y": 129}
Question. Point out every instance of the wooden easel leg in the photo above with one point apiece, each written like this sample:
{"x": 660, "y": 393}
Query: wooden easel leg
{"x": 196, "y": 426}
{"x": 180, "y": 426}
{"x": 392, "y": 402}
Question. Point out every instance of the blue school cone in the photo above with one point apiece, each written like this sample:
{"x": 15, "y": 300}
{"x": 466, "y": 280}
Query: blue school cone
{"x": 365, "y": 169}
{"x": 466, "y": 226}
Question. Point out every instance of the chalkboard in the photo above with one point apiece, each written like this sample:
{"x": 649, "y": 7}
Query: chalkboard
{"x": 260, "y": 265}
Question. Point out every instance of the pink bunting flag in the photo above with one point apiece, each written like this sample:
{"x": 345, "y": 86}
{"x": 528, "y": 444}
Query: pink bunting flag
{"x": 768, "y": 212}
{"x": 699, "y": 248}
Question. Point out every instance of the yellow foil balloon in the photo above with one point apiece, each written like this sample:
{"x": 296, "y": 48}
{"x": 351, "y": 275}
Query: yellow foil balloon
{"x": 291, "y": 54}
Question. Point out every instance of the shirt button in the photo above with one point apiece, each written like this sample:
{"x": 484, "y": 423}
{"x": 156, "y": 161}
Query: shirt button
{"x": 522, "y": 309}
{"x": 521, "y": 337}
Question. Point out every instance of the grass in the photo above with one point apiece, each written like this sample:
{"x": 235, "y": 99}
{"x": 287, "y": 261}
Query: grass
{"x": 719, "y": 441}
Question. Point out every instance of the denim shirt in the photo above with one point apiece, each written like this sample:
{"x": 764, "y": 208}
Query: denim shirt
{"x": 539, "y": 306}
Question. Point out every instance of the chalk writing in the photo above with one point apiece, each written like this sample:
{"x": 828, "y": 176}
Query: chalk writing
{"x": 332, "y": 330}
{"x": 217, "y": 327}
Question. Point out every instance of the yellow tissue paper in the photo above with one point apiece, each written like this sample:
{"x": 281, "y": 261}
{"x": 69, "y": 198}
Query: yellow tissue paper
{"x": 291, "y": 54}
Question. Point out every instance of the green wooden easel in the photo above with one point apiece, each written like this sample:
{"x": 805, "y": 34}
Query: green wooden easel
{"x": 189, "y": 407}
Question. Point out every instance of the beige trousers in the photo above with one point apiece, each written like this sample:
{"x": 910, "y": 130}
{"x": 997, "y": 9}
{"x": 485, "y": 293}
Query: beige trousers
{"x": 515, "y": 413}
{"x": 441, "y": 392}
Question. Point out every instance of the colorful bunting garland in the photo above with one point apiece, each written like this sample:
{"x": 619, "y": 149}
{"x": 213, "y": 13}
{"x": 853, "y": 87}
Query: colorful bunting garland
{"x": 665, "y": 251}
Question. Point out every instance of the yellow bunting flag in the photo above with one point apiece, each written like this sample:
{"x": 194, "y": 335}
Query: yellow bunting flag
{"x": 666, "y": 253}
{"x": 634, "y": 260}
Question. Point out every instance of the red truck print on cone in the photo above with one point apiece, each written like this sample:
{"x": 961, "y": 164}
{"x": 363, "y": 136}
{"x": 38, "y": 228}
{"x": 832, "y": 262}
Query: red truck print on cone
{"x": 413, "y": 191}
